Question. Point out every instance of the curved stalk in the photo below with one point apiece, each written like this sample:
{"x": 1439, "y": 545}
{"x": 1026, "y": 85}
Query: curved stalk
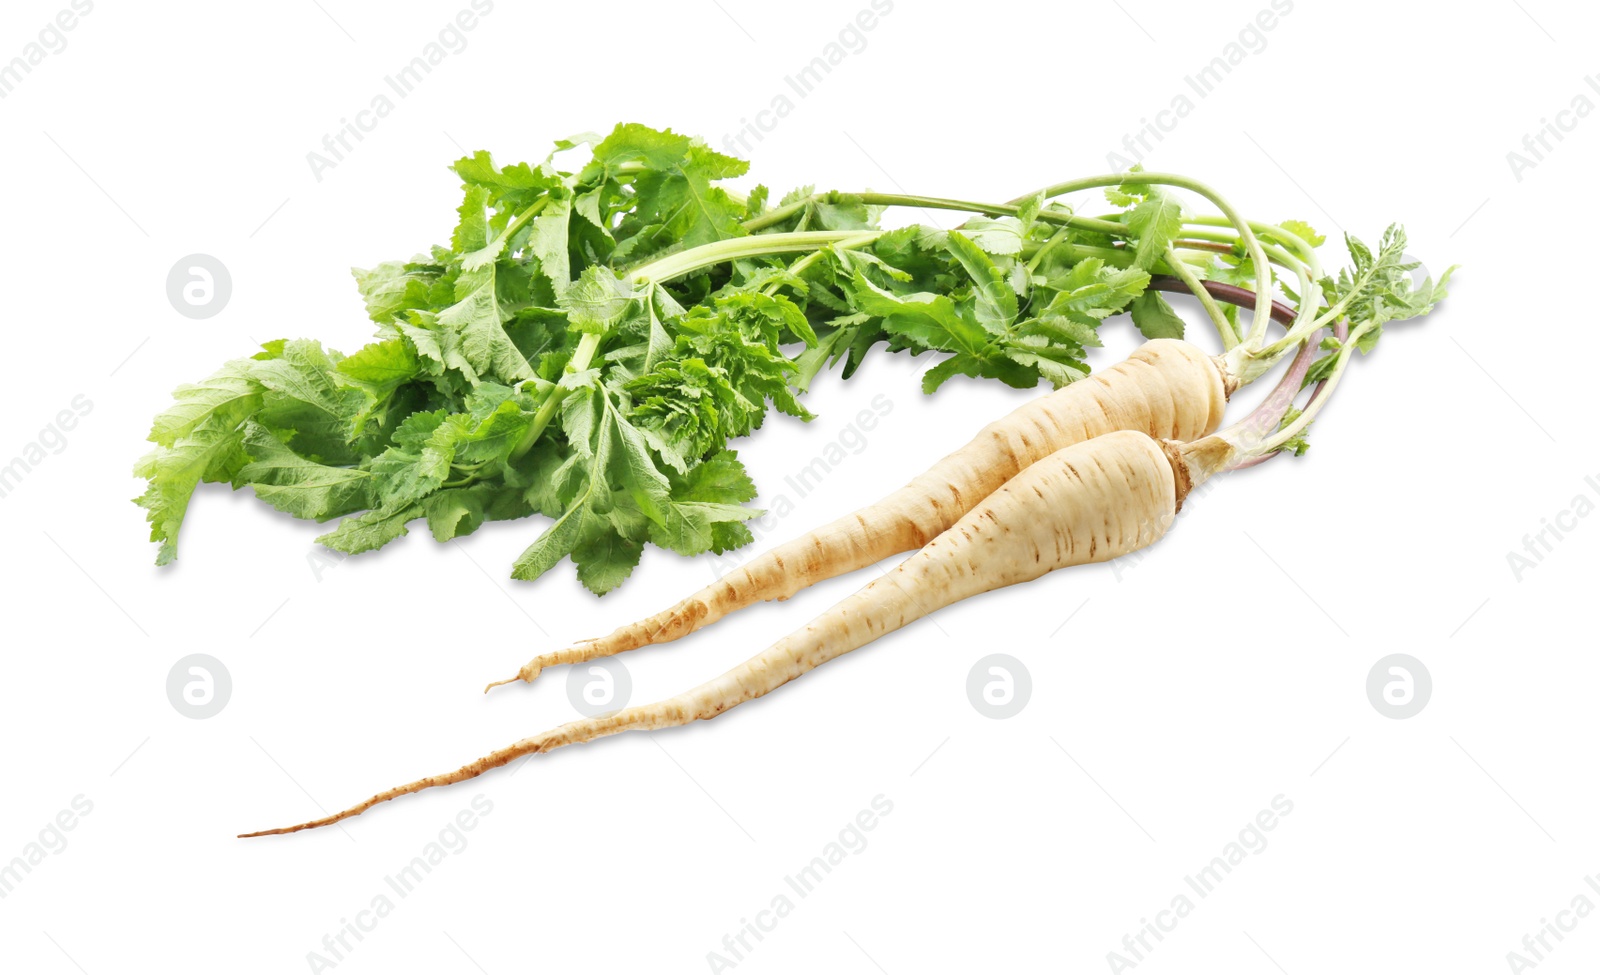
{"x": 737, "y": 248}
{"x": 1318, "y": 400}
{"x": 1246, "y": 235}
{"x": 1186, "y": 274}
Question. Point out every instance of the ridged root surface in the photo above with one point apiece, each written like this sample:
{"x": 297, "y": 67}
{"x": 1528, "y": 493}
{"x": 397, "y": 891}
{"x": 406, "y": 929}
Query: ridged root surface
{"x": 1090, "y": 502}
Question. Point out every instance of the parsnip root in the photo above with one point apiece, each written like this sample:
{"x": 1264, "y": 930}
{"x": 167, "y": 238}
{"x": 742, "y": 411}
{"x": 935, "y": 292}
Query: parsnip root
{"x": 1167, "y": 389}
{"x": 1090, "y": 502}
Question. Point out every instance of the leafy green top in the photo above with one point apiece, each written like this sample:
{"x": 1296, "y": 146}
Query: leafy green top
{"x": 539, "y": 364}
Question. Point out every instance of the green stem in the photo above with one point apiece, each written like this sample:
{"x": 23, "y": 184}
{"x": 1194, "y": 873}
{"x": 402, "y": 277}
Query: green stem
{"x": 1302, "y": 250}
{"x": 581, "y": 357}
{"x": 1275, "y": 442}
{"x": 796, "y": 269}
{"x": 1056, "y": 240}
{"x": 1246, "y": 235}
{"x": 783, "y": 213}
{"x": 521, "y": 219}
{"x": 738, "y": 248}
{"x": 1289, "y": 239}
{"x": 1115, "y": 256}
{"x": 1224, "y": 327}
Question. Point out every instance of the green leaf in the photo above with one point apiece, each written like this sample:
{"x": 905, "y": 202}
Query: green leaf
{"x": 229, "y": 395}
{"x": 658, "y": 344}
{"x": 995, "y": 302}
{"x": 1304, "y": 231}
{"x": 381, "y": 364}
{"x": 1000, "y": 236}
{"x": 1028, "y": 211}
{"x": 620, "y": 452}
{"x": 370, "y": 531}
{"x": 706, "y": 509}
{"x": 489, "y": 439}
{"x": 548, "y": 242}
{"x": 308, "y": 404}
{"x": 555, "y": 544}
{"x": 605, "y": 559}
{"x": 296, "y": 486}
{"x": 1057, "y": 366}
{"x": 957, "y": 365}
{"x": 631, "y": 142}
{"x": 597, "y": 301}
{"x": 210, "y": 452}
{"x": 472, "y": 226}
{"x": 1063, "y": 330}
{"x": 756, "y": 203}
{"x": 1155, "y": 223}
{"x": 517, "y": 186}
{"x": 480, "y": 323}
{"x": 454, "y": 513}
{"x": 1154, "y": 317}
{"x": 1092, "y": 291}
{"x": 1128, "y": 194}
{"x": 632, "y": 465}
{"x": 674, "y": 200}
{"x": 1296, "y": 444}
{"x": 391, "y": 288}
{"x": 930, "y": 320}
{"x": 414, "y": 467}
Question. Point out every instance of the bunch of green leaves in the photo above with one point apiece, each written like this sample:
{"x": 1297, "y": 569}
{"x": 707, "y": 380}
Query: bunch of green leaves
{"x": 430, "y": 420}
{"x": 1011, "y": 298}
{"x": 533, "y": 365}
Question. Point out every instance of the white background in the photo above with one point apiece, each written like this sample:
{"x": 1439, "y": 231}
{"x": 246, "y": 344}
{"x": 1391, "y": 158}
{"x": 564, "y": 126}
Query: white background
{"x": 1226, "y": 668}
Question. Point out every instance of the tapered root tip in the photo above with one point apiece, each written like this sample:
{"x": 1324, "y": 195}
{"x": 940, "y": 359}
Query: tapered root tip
{"x": 274, "y": 832}
{"x": 310, "y": 824}
{"x": 527, "y": 673}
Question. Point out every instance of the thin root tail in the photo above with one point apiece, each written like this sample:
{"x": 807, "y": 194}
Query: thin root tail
{"x": 493, "y": 760}
{"x": 571, "y": 733}
{"x": 527, "y": 673}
